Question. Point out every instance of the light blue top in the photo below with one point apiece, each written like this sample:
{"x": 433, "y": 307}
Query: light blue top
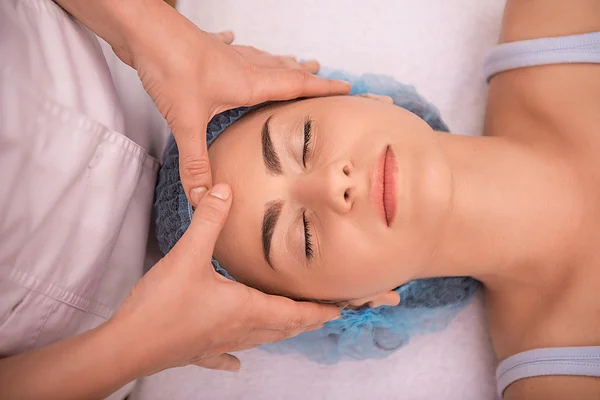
{"x": 557, "y": 50}
{"x": 583, "y": 361}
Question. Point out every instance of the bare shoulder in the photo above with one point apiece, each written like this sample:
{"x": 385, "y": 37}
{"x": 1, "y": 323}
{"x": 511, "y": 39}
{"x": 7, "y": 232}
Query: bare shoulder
{"x": 532, "y": 19}
{"x": 551, "y": 96}
{"x": 554, "y": 388}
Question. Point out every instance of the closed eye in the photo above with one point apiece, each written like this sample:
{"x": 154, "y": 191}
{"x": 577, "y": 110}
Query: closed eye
{"x": 307, "y": 140}
{"x": 308, "y": 246}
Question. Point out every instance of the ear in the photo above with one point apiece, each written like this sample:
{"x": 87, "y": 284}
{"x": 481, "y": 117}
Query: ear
{"x": 385, "y": 99}
{"x": 390, "y": 298}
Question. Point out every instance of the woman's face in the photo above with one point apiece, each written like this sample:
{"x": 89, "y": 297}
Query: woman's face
{"x": 338, "y": 198}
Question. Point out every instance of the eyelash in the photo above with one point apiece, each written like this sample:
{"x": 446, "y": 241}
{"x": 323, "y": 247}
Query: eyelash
{"x": 307, "y": 138}
{"x": 308, "y": 247}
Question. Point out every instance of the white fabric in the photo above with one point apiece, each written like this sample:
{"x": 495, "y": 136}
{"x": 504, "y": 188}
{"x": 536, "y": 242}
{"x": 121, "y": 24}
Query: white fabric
{"x": 76, "y": 192}
{"x": 439, "y": 47}
{"x": 455, "y": 365}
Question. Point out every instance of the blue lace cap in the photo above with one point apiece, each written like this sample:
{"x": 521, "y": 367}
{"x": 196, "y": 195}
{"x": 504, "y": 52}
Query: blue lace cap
{"x": 426, "y": 305}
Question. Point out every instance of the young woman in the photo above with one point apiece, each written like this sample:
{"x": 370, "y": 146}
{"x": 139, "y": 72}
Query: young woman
{"x": 344, "y": 199}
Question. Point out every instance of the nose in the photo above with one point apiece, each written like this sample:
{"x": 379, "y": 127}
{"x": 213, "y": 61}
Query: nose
{"x": 330, "y": 186}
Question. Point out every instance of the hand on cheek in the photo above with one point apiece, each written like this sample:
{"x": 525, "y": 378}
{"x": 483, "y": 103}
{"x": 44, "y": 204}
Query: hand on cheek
{"x": 183, "y": 312}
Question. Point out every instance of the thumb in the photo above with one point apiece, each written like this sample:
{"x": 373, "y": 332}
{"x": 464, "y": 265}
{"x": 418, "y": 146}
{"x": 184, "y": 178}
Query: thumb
{"x": 197, "y": 244}
{"x": 223, "y": 362}
{"x": 286, "y": 84}
{"x": 194, "y": 166}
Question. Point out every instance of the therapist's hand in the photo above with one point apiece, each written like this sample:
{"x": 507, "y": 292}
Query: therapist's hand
{"x": 183, "y": 312}
{"x": 192, "y": 76}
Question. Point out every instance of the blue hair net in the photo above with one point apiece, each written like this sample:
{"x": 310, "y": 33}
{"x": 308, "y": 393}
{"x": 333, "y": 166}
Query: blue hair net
{"x": 426, "y": 305}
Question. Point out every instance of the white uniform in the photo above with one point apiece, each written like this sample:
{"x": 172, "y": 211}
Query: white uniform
{"x": 75, "y": 190}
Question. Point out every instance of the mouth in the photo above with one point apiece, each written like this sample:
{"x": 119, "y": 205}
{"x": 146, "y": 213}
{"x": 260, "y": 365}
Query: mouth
{"x": 383, "y": 190}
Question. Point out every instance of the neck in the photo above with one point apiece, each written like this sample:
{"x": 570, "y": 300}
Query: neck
{"x": 507, "y": 214}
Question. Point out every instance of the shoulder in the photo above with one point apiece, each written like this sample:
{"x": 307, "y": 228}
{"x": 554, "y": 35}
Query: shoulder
{"x": 550, "y": 96}
{"x": 554, "y": 388}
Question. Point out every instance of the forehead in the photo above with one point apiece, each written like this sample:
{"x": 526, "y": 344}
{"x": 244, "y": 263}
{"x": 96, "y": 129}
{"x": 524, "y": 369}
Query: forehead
{"x": 236, "y": 158}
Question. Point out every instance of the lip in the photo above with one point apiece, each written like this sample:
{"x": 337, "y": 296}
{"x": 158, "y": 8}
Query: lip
{"x": 383, "y": 187}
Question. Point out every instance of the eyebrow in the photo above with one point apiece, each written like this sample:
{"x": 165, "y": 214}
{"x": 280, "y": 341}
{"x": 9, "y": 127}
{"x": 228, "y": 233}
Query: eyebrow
{"x": 272, "y": 213}
{"x": 268, "y": 151}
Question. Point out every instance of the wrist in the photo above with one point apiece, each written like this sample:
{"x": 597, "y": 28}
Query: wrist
{"x": 124, "y": 348}
{"x": 124, "y": 25}
{"x": 164, "y": 39}
{"x": 145, "y": 30}
{"x": 141, "y": 347}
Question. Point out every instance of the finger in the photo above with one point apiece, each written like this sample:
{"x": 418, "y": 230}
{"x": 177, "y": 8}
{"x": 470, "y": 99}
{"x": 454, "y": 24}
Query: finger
{"x": 311, "y": 66}
{"x": 250, "y": 51}
{"x": 248, "y": 346}
{"x": 268, "y": 61}
{"x": 198, "y": 242}
{"x": 224, "y": 362}
{"x": 265, "y": 336}
{"x": 258, "y": 338}
{"x": 226, "y": 37}
{"x": 385, "y": 99}
{"x": 280, "y": 313}
{"x": 290, "y": 62}
{"x": 194, "y": 166}
{"x": 314, "y": 327}
{"x": 287, "y": 62}
{"x": 286, "y": 84}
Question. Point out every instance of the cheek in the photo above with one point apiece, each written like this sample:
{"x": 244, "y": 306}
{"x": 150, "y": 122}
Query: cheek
{"x": 357, "y": 260}
{"x": 347, "y": 139}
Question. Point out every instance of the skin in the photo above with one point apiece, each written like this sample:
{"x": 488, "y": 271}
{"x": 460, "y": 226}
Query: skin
{"x": 552, "y": 109}
{"x": 516, "y": 209}
{"x": 348, "y": 136}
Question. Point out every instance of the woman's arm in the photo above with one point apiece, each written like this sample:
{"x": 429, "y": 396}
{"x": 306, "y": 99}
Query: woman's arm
{"x": 552, "y": 98}
{"x": 553, "y": 387}
{"x": 548, "y": 98}
{"x": 129, "y": 26}
{"x": 89, "y": 366}
{"x": 532, "y": 19}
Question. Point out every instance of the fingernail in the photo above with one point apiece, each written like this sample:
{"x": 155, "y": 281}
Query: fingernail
{"x": 220, "y": 191}
{"x": 228, "y": 33}
{"x": 196, "y": 194}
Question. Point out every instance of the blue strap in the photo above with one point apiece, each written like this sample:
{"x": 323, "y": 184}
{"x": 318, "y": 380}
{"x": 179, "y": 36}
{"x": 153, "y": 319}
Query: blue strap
{"x": 583, "y": 361}
{"x": 584, "y": 48}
